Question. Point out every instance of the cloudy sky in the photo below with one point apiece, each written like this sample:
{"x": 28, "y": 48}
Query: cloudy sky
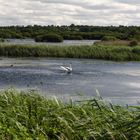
{"x": 66, "y": 12}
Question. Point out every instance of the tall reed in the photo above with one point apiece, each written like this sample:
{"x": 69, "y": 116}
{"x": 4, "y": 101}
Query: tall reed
{"x": 27, "y": 115}
{"x": 107, "y": 52}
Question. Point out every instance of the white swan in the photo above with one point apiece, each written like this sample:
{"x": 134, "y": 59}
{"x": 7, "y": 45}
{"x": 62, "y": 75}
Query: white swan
{"x": 67, "y": 69}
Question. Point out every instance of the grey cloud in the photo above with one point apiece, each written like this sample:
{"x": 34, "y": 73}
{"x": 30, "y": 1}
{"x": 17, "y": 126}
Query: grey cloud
{"x": 91, "y": 12}
{"x": 134, "y": 2}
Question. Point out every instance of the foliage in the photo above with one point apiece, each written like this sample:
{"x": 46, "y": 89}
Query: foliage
{"x": 49, "y": 38}
{"x": 136, "y": 50}
{"x": 72, "y": 37}
{"x": 72, "y": 31}
{"x": 109, "y": 38}
{"x": 26, "y": 115}
{"x": 133, "y": 43}
{"x": 2, "y": 40}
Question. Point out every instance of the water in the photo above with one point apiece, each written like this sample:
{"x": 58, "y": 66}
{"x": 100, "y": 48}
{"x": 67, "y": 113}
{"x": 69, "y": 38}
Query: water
{"x": 64, "y": 43}
{"x": 118, "y": 82}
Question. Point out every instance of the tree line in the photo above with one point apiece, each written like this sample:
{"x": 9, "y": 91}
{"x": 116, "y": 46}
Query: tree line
{"x": 71, "y": 32}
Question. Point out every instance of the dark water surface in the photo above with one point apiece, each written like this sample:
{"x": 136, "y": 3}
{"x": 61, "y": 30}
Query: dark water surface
{"x": 117, "y": 81}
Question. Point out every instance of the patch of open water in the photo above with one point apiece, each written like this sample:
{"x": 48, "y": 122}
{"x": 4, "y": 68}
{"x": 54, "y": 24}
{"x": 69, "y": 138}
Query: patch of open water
{"x": 118, "y": 82}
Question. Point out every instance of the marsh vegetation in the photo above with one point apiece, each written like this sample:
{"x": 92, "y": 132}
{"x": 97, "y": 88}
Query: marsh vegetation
{"x": 97, "y": 51}
{"x": 27, "y": 115}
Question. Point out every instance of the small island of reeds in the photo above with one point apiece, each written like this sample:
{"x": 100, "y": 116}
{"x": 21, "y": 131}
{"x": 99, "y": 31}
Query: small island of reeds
{"x": 116, "y": 51}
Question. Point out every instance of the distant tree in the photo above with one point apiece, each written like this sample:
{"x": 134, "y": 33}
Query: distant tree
{"x": 85, "y": 31}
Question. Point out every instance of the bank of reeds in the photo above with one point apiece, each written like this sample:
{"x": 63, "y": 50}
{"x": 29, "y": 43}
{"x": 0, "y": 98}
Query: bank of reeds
{"x": 114, "y": 42}
{"x": 28, "y": 116}
{"x": 106, "y": 52}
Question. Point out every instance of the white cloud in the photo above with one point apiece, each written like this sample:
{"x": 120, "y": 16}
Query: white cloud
{"x": 60, "y": 12}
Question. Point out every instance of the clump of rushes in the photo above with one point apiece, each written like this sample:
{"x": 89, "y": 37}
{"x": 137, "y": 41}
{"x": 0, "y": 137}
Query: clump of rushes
{"x": 27, "y": 115}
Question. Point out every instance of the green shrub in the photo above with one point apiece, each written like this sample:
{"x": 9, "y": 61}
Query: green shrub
{"x": 2, "y": 40}
{"x": 49, "y": 38}
{"x": 109, "y": 38}
{"x": 72, "y": 37}
{"x": 133, "y": 43}
{"x": 136, "y": 50}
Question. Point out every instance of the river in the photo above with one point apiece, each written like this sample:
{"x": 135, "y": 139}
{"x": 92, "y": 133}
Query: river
{"x": 115, "y": 81}
{"x": 64, "y": 43}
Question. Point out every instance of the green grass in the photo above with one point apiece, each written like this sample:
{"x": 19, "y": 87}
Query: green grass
{"x": 97, "y": 51}
{"x": 28, "y": 116}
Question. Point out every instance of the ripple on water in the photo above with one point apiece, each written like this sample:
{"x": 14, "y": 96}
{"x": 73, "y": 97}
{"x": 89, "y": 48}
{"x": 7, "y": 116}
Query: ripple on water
{"x": 111, "y": 78}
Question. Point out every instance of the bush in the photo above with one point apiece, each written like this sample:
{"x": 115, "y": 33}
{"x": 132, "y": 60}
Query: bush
{"x": 73, "y": 37}
{"x": 109, "y": 38}
{"x": 136, "y": 50}
{"x": 133, "y": 43}
{"x": 49, "y": 38}
{"x": 2, "y": 40}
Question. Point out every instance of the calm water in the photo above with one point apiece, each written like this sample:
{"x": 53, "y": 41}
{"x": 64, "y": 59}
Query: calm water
{"x": 65, "y": 42}
{"x": 115, "y": 81}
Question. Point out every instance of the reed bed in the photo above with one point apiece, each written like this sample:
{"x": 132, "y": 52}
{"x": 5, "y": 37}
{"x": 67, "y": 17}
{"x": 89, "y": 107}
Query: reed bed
{"x": 116, "y": 42}
{"x": 97, "y": 51}
{"x": 29, "y": 116}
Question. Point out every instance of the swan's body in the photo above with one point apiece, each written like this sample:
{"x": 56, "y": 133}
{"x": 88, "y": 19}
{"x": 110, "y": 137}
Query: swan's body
{"x": 67, "y": 69}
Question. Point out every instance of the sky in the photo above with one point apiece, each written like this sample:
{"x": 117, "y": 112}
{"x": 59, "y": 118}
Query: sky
{"x": 66, "y": 12}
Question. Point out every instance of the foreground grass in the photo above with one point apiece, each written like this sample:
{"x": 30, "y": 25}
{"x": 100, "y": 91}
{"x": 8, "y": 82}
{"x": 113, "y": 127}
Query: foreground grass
{"x": 97, "y": 51}
{"x": 28, "y": 116}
